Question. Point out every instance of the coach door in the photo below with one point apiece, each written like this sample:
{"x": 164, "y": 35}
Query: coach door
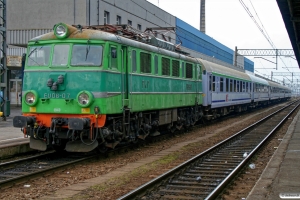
{"x": 210, "y": 88}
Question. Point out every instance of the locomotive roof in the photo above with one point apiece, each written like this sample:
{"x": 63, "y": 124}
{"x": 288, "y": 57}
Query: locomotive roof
{"x": 92, "y": 34}
{"x": 219, "y": 69}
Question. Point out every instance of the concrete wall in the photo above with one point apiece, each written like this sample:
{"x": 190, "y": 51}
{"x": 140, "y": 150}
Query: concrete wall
{"x": 43, "y": 14}
{"x": 137, "y": 11}
{"x": 27, "y": 18}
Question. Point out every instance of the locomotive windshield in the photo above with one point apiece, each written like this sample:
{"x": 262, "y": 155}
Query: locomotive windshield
{"x": 90, "y": 55}
{"x": 60, "y": 55}
{"x": 82, "y": 55}
{"x": 39, "y": 56}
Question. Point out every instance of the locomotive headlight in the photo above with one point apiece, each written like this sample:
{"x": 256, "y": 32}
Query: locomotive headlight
{"x": 31, "y": 98}
{"x": 85, "y": 98}
{"x": 61, "y": 30}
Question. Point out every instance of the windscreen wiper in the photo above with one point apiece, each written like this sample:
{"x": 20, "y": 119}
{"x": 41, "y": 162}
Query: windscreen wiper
{"x": 33, "y": 50}
{"x": 87, "y": 49}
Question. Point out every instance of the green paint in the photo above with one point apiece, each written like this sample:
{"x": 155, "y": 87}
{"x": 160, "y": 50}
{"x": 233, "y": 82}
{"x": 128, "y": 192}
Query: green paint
{"x": 113, "y": 85}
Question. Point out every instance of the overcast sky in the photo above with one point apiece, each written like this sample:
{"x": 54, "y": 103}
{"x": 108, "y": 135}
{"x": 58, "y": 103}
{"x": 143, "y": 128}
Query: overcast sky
{"x": 230, "y": 24}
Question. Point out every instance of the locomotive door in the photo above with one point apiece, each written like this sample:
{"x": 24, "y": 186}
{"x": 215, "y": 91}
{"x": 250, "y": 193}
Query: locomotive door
{"x": 124, "y": 77}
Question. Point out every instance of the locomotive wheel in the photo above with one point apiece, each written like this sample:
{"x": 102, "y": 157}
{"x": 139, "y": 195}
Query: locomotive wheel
{"x": 61, "y": 147}
{"x": 102, "y": 149}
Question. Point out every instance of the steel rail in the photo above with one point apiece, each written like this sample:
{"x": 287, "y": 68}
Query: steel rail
{"x": 13, "y": 162}
{"x": 15, "y": 174}
{"x": 226, "y": 181}
{"x": 158, "y": 180}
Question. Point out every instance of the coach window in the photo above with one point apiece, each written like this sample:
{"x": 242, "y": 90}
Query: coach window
{"x": 145, "y": 62}
{"x": 188, "y": 70}
{"x": 156, "y": 64}
{"x": 266, "y": 89}
{"x": 227, "y": 85}
{"x": 234, "y": 86}
{"x": 260, "y": 88}
{"x": 165, "y": 66}
{"x": 231, "y": 85}
{"x": 175, "y": 68}
{"x": 244, "y": 86}
{"x": 238, "y": 86}
{"x": 214, "y": 83}
{"x": 241, "y": 86}
{"x": 133, "y": 61}
{"x": 221, "y": 84}
{"x": 257, "y": 87}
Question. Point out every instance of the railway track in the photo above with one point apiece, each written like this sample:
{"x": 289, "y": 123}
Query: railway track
{"x": 206, "y": 175}
{"x": 17, "y": 171}
{"x": 21, "y": 170}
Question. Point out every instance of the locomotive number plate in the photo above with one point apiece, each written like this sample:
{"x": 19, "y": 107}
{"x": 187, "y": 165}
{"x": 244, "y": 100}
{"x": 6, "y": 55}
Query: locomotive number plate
{"x": 57, "y": 96}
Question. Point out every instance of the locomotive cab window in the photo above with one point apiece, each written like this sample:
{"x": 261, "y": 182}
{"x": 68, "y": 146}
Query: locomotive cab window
{"x": 86, "y": 55}
{"x": 39, "y": 56}
{"x": 60, "y": 55}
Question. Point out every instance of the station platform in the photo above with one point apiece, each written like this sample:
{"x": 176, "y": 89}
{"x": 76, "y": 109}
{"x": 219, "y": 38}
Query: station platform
{"x": 281, "y": 178}
{"x": 12, "y": 140}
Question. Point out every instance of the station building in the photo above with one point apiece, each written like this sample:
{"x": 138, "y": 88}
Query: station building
{"x": 30, "y": 18}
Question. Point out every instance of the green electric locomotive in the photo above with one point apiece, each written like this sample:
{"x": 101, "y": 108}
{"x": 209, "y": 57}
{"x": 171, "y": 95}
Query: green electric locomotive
{"x": 105, "y": 86}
